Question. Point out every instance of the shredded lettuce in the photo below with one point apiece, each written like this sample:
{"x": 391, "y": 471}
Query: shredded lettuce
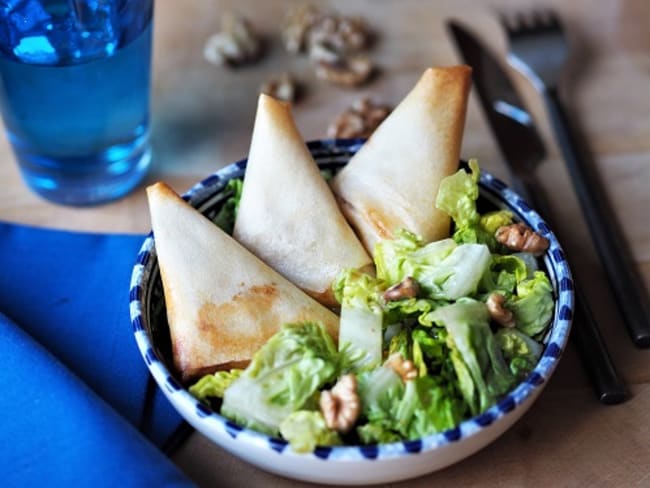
{"x": 228, "y": 212}
{"x": 457, "y": 275}
{"x": 409, "y": 410}
{"x": 399, "y": 310}
{"x": 360, "y": 327}
{"x": 431, "y": 346}
{"x": 491, "y": 221}
{"x": 445, "y": 270}
{"x": 482, "y": 372}
{"x": 533, "y": 304}
{"x": 520, "y": 351}
{"x": 406, "y": 255}
{"x": 306, "y": 429}
{"x": 400, "y": 344}
{"x": 457, "y": 197}
{"x": 214, "y": 385}
{"x": 283, "y": 376}
{"x": 376, "y": 433}
{"x": 504, "y": 274}
{"x": 463, "y": 367}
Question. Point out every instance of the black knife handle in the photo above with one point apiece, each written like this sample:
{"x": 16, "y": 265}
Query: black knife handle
{"x": 585, "y": 332}
{"x": 627, "y": 287}
{"x": 593, "y": 353}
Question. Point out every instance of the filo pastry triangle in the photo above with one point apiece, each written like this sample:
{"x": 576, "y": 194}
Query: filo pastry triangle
{"x": 392, "y": 182}
{"x": 223, "y": 303}
{"x": 287, "y": 214}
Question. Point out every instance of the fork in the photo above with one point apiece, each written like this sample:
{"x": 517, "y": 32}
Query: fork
{"x": 539, "y": 51}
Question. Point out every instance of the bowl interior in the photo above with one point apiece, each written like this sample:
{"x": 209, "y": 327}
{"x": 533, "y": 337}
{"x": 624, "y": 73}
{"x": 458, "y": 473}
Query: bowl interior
{"x": 152, "y": 332}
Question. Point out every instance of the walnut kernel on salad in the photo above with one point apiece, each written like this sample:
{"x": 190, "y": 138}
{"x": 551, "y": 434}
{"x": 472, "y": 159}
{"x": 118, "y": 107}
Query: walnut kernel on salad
{"x": 408, "y": 364}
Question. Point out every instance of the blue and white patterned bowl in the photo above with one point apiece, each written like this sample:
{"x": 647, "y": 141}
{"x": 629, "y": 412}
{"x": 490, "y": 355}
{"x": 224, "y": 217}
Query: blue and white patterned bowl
{"x": 351, "y": 464}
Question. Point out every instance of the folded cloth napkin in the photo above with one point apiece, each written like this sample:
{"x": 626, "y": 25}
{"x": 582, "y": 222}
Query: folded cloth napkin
{"x": 68, "y": 292}
{"x": 57, "y": 432}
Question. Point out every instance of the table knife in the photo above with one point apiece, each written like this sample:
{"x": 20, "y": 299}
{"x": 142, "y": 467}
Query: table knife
{"x": 523, "y": 149}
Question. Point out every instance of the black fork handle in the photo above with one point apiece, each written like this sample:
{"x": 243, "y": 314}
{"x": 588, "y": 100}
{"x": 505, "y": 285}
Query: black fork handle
{"x": 625, "y": 282}
{"x": 585, "y": 332}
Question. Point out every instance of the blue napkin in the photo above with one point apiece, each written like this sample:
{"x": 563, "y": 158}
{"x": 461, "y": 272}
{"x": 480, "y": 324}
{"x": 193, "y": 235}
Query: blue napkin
{"x": 57, "y": 432}
{"x": 68, "y": 292}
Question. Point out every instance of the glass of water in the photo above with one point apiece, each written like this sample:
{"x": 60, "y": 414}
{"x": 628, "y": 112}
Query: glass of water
{"x": 74, "y": 95}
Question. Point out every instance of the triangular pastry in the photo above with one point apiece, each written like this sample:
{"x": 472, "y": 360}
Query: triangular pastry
{"x": 392, "y": 182}
{"x": 223, "y": 303}
{"x": 287, "y": 214}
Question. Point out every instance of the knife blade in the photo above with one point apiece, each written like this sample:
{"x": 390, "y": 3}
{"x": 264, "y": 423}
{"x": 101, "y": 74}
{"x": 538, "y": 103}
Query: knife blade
{"x": 522, "y": 149}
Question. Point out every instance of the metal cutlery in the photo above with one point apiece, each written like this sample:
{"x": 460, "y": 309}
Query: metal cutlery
{"x": 538, "y": 49}
{"x": 523, "y": 150}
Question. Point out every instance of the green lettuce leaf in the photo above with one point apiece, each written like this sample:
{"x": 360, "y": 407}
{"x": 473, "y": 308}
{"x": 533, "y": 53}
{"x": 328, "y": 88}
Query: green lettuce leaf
{"x": 520, "y": 352}
{"x": 406, "y": 254}
{"x": 504, "y": 274}
{"x": 214, "y": 385}
{"x": 306, "y": 429}
{"x": 481, "y": 370}
{"x": 413, "y": 309}
{"x": 228, "y": 212}
{"x": 360, "y": 326}
{"x": 531, "y": 262}
{"x": 444, "y": 270}
{"x": 456, "y": 276}
{"x": 408, "y": 410}
{"x": 434, "y": 410}
{"x": 457, "y": 195}
{"x": 283, "y": 376}
{"x": 491, "y": 221}
{"x": 533, "y": 304}
{"x": 375, "y": 433}
{"x": 401, "y": 343}
{"x": 432, "y": 345}
{"x": 378, "y": 391}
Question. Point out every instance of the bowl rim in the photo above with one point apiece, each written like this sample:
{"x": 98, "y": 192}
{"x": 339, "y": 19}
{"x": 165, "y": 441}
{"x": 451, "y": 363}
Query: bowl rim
{"x": 338, "y": 151}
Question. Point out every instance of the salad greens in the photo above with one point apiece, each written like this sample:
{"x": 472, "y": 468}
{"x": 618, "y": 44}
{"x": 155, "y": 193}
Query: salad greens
{"x": 458, "y": 360}
{"x": 284, "y": 376}
{"x": 306, "y": 429}
{"x": 480, "y": 368}
{"x": 226, "y": 216}
{"x": 360, "y": 327}
{"x": 214, "y": 385}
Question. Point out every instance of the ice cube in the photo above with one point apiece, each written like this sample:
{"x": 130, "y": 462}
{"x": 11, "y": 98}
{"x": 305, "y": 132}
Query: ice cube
{"x": 97, "y": 24}
{"x": 36, "y": 50}
{"x": 61, "y": 32}
{"x": 23, "y": 15}
{"x": 21, "y": 27}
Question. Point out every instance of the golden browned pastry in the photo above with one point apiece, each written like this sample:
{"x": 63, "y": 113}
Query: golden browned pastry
{"x": 392, "y": 182}
{"x": 287, "y": 215}
{"x": 223, "y": 303}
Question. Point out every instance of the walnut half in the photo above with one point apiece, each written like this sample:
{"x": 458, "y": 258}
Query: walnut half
{"x": 296, "y": 26}
{"x": 360, "y": 120}
{"x": 340, "y": 405}
{"x": 334, "y": 44}
{"x": 342, "y": 33}
{"x": 407, "y": 288}
{"x": 351, "y": 71}
{"x": 236, "y": 44}
{"x": 403, "y": 367}
{"x": 498, "y": 312}
{"x": 520, "y": 237}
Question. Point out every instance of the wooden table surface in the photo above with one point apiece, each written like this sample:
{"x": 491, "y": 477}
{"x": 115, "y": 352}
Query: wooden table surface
{"x": 202, "y": 118}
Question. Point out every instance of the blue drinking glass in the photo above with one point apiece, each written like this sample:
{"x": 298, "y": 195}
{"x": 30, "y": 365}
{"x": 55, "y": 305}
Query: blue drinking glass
{"x": 74, "y": 95}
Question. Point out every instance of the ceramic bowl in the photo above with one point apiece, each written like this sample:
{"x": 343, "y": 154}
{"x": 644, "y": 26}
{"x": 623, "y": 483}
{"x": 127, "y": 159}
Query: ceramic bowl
{"x": 348, "y": 465}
